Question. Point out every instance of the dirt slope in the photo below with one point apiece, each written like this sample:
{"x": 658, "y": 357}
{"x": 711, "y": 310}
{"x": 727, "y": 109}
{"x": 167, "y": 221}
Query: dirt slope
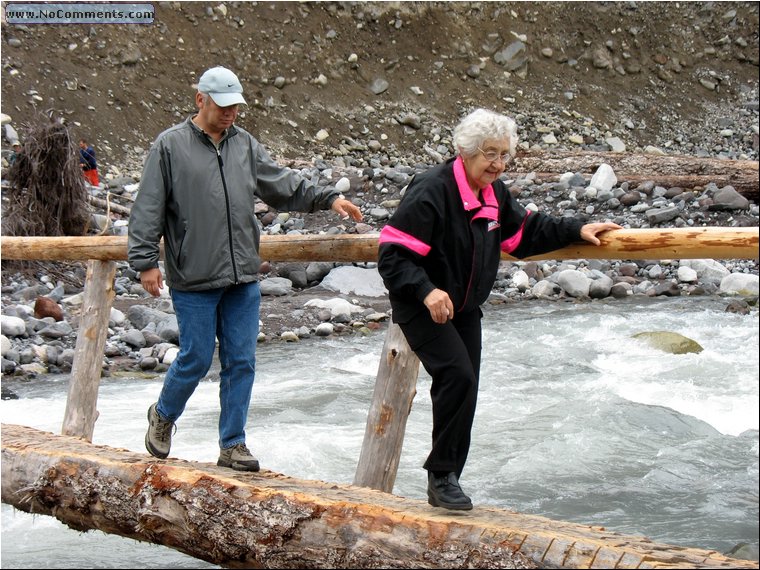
{"x": 648, "y": 72}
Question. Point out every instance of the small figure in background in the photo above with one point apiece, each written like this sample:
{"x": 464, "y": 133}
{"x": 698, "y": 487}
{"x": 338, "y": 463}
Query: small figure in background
{"x": 88, "y": 162}
{"x": 16, "y": 150}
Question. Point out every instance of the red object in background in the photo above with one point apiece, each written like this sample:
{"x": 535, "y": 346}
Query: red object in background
{"x": 92, "y": 176}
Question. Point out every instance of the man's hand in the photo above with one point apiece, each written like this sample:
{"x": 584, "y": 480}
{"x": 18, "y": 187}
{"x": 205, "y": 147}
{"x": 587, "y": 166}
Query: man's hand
{"x": 152, "y": 281}
{"x": 440, "y": 306}
{"x": 347, "y": 209}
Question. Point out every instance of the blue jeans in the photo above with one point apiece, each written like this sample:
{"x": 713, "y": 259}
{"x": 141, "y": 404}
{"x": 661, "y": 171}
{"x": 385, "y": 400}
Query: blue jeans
{"x": 230, "y": 314}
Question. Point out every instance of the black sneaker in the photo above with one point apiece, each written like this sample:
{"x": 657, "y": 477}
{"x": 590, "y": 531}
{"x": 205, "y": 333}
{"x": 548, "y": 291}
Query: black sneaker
{"x": 238, "y": 457}
{"x": 445, "y": 492}
{"x": 158, "y": 440}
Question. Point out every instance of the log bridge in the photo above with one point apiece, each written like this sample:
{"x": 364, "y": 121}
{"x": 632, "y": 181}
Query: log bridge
{"x": 265, "y": 519}
{"x": 270, "y": 520}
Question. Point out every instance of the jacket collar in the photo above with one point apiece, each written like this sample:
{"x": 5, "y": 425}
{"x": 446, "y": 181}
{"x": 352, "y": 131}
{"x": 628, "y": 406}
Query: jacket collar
{"x": 490, "y": 209}
{"x": 231, "y": 131}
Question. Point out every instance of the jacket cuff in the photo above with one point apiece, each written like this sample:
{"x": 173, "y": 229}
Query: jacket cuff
{"x": 576, "y": 231}
{"x": 332, "y": 197}
{"x": 424, "y": 290}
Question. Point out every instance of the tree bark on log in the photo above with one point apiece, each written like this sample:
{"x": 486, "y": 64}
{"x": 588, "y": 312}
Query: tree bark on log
{"x": 269, "y": 520}
{"x": 665, "y": 170}
{"x": 645, "y": 243}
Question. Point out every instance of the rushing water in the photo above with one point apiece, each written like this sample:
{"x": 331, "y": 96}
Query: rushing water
{"x": 576, "y": 421}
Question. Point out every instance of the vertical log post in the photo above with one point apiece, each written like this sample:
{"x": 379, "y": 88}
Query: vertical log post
{"x": 82, "y": 401}
{"x": 395, "y": 387}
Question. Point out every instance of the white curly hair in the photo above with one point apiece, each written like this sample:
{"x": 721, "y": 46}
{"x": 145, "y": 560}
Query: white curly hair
{"x": 481, "y": 125}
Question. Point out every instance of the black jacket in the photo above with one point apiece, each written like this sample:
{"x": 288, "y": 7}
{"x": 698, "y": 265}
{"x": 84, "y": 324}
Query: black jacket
{"x": 441, "y": 236}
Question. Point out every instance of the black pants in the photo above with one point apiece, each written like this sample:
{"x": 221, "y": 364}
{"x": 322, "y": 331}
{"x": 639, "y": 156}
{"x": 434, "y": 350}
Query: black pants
{"x": 451, "y": 355}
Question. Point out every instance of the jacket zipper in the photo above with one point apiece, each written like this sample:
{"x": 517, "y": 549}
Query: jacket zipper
{"x": 472, "y": 270}
{"x": 229, "y": 217}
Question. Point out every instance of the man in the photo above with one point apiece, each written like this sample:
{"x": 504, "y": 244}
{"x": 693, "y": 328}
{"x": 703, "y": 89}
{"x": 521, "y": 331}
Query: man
{"x": 15, "y": 151}
{"x": 88, "y": 163}
{"x": 197, "y": 193}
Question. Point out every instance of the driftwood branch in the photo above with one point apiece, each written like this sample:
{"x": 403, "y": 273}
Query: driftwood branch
{"x": 686, "y": 172}
{"x": 106, "y": 206}
{"x": 269, "y": 520}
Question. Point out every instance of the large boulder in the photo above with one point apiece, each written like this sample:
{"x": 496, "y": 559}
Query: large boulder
{"x": 744, "y": 284}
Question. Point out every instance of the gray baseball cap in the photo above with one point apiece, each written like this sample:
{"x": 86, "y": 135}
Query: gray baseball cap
{"x": 223, "y": 86}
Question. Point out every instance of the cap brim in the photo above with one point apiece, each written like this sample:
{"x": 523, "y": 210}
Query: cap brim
{"x": 227, "y": 99}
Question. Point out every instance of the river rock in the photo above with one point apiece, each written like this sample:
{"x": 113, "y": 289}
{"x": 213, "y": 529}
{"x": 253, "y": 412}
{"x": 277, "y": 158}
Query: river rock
{"x": 545, "y": 289}
{"x": 170, "y": 355}
{"x": 12, "y": 326}
{"x": 604, "y": 178}
{"x": 727, "y": 198}
{"x": 277, "y": 286}
{"x": 575, "y": 283}
{"x": 687, "y": 274}
{"x": 5, "y": 345}
{"x": 742, "y": 284}
{"x": 316, "y": 270}
{"x": 521, "y": 280}
{"x": 141, "y": 316}
{"x": 335, "y": 306}
{"x": 600, "y": 285}
{"x": 667, "y": 341}
{"x": 738, "y": 306}
{"x": 324, "y": 329}
{"x": 708, "y": 270}
{"x": 46, "y": 307}
{"x": 355, "y": 281}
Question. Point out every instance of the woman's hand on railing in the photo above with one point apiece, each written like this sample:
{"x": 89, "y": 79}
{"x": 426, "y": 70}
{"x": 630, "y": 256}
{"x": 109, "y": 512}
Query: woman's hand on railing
{"x": 590, "y": 231}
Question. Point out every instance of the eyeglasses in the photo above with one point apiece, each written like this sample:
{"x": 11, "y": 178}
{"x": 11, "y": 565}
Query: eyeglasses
{"x": 493, "y": 156}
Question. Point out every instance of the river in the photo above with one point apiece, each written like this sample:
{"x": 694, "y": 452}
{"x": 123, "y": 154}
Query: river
{"x": 576, "y": 421}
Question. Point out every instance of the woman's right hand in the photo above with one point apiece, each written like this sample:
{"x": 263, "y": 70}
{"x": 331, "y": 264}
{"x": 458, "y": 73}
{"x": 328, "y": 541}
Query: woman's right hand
{"x": 440, "y": 306}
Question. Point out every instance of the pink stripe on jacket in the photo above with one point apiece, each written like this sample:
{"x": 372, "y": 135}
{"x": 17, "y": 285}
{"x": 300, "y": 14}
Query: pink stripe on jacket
{"x": 389, "y": 234}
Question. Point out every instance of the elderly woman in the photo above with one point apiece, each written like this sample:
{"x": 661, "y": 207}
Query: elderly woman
{"x": 439, "y": 254}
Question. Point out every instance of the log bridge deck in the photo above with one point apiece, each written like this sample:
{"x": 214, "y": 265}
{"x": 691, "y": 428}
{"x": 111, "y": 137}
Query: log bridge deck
{"x": 270, "y": 520}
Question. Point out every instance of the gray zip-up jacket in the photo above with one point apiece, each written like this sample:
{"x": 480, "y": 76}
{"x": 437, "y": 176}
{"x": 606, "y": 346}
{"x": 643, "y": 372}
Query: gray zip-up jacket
{"x": 200, "y": 199}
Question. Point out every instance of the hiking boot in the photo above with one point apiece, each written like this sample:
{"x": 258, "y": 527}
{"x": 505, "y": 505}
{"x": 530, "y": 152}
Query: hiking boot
{"x": 238, "y": 457}
{"x": 158, "y": 440}
{"x": 445, "y": 492}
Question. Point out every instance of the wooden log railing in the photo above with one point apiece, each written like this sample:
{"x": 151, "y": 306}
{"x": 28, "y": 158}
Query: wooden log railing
{"x": 397, "y": 375}
{"x": 633, "y": 244}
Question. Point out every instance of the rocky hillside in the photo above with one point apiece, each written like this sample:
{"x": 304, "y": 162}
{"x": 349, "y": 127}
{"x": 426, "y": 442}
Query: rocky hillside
{"x": 364, "y": 95}
{"x": 336, "y": 80}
